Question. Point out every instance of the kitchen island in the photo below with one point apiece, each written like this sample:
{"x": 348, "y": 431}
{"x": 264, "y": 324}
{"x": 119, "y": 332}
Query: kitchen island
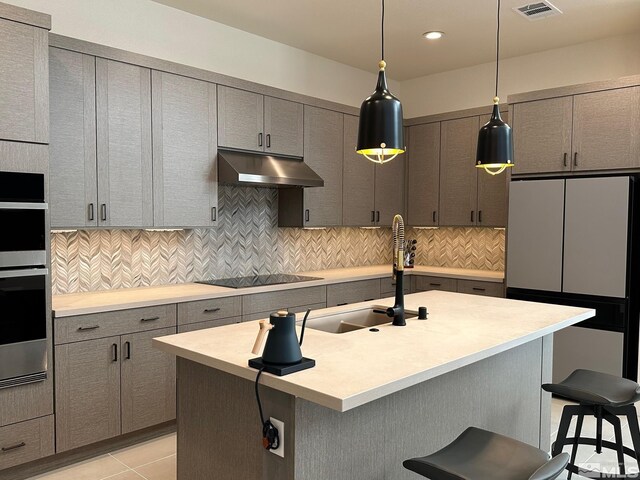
{"x": 374, "y": 398}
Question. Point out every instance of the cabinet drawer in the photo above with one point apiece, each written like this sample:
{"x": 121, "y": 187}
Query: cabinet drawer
{"x": 388, "y": 286}
{"x": 274, "y": 301}
{"x": 26, "y": 441}
{"x": 100, "y": 325}
{"x": 490, "y": 289}
{"x": 206, "y": 310}
{"x": 425, "y": 283}
{"x": 299, "y": 311}
{"x": 191, "y": 327}
{"x": 352, "y": 292}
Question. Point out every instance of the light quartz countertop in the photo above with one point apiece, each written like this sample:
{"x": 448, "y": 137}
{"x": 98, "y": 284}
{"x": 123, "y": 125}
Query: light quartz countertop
{"x": 125, "y": 298}
{"x": 358, "y": 367}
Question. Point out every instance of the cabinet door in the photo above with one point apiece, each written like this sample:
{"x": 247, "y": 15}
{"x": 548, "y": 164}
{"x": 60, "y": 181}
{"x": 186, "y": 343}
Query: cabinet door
{"x": 389, "y": 190}
{"x": 240, "y": 119}
{"x": 323, "y": 144}
{"x": 148, "y": 381}
{"x": 595, "y": 237}
{"x": 458, "y": 175}
{"x": 72, "y": 151}
{"x": 283, "y": 127}
{"x": 542, "y": 136}
{"x": 605, "y": 129}
{"x": 87, "y": 392}
{"x": 358, "y": 177}
{"x": 24, "y": 77}
{"x": 123, "y": 109}
{"x": 185, "y": 173}
{"x": 535, "y": 235}
{"x": 423, "y": 177}
{"x": 492, "y": 193}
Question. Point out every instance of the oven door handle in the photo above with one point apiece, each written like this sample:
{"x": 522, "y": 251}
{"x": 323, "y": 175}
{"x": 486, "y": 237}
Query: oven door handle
{"x": 31, "y": 272}
{"x": 23, "y": 206}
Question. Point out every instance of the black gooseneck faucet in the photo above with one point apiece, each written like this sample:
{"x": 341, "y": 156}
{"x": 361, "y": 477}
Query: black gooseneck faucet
{"x": 397, "y": 311}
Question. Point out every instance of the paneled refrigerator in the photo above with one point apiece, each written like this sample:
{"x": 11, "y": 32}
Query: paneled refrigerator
{"x": 571, "y": 241}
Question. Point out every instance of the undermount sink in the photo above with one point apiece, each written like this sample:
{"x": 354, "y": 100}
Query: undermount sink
{"x": 350, "y": 321}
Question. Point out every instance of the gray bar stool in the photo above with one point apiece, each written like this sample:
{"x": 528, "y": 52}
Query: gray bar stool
{"x": 605, "y": 397}
{"x": 481, "y": 455}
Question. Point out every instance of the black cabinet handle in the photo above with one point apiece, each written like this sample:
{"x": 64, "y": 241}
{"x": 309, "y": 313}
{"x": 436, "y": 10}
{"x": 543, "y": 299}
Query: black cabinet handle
{"x": 214, "y": 214}
{"x": 435, "y": 284}
{"x": 306, "y": 215}
{"x": 434, "y": 216}
{"x": 211, "y": 310}
{"x": 479, "y": 216}
{"x": 575, "y": 159}
{"x": 369, "y": 299}
{"x": 373, "y": 216}
{"x": 127, "y": 350}
{"x": 91, "y": 213}
{"x": 478, "y": 289}
{"x": 565, "y": 159}
{"x": 268, "y": 140}
{"x": 114, "y": 351}
{"x": 472, "y": 216}
{"x": 14, "y": 447}
{"x": 341, "y": 304}
{"x": 103, "y": 212}
{"x": 150, "y": 319}
{"x": 260, "y": 139}
{"x": 377, "y": 216}
{"x": 85, "y": 329}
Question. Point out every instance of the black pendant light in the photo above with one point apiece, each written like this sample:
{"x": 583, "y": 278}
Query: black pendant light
{"x": 380, "y": 133}
{"x": 495, "y": 143}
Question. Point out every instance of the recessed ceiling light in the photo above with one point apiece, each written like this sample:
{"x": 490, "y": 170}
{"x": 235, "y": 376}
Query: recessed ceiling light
{"x": 435, "y": 35}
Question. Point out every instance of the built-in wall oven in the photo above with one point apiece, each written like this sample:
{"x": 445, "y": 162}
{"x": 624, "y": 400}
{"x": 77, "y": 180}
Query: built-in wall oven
{"x": 23, "y": 279}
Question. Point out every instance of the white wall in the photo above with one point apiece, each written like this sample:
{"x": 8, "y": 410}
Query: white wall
{"x": 149, "y": 28}
{"x": 470, "y": 87}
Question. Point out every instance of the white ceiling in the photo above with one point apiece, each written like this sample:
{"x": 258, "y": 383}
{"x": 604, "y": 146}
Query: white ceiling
{"x": 348, "y": 31}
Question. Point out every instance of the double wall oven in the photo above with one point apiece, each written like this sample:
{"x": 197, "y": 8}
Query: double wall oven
{"x": 23, "y": 279}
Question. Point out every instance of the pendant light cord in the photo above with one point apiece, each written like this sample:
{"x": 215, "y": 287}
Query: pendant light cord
{"x": 498, "y": 49}
{"x": 382, "y": 29}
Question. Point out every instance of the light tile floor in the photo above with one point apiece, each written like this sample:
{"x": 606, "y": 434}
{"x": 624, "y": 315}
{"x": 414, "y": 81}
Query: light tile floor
{"x": 151, "y": 460}
{"x": 156, "y": 459}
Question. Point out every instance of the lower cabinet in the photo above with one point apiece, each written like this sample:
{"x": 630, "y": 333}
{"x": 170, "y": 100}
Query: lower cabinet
{"x": 423, "y": 283}
{"x": 352, "y": 292}
{"x": 111, "y": 386}
{"x": 26, "y": 441}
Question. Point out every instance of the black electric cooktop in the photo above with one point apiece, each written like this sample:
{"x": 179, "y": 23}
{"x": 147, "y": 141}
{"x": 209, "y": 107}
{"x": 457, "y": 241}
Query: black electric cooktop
{"x": 258, "y": 280}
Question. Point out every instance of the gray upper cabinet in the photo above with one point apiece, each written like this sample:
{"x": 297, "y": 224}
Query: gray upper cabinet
{"x": 72, "y": 151}
{"x": 185, "y": 174}
{"x": 240, "y": 119}
{"x": 458, "y": 175}
{"x": 389, "y": 190}
{"x": 24, "y": 78}
{"x": 596, "y": 217}
{"x": 250, "y": 121}
{"x": 535, "y": 235}
{"x": 423, "y": 174}
{"x": 358, "y": 176}
{"x": 323, "y": 146}
{"x": 123, "y": 125}
{"x": 283, "y": 127}
{"x": 542, "y": 135}
{"x": 605, "y": 129}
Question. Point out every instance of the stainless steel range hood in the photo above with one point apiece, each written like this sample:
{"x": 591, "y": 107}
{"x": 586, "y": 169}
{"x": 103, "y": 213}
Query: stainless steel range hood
{"x": 241, "y": 168}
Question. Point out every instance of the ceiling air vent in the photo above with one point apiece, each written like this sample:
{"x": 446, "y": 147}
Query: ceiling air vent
{"x": 538, "y": 10}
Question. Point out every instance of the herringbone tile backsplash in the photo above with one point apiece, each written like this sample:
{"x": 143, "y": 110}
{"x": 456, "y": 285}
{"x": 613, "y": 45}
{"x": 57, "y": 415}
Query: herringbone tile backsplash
{"x": 246, "y": 242}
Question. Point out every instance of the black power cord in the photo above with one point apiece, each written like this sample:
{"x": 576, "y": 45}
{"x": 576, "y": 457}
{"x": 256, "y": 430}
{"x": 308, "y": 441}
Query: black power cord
{"x": 270, "y": 435}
